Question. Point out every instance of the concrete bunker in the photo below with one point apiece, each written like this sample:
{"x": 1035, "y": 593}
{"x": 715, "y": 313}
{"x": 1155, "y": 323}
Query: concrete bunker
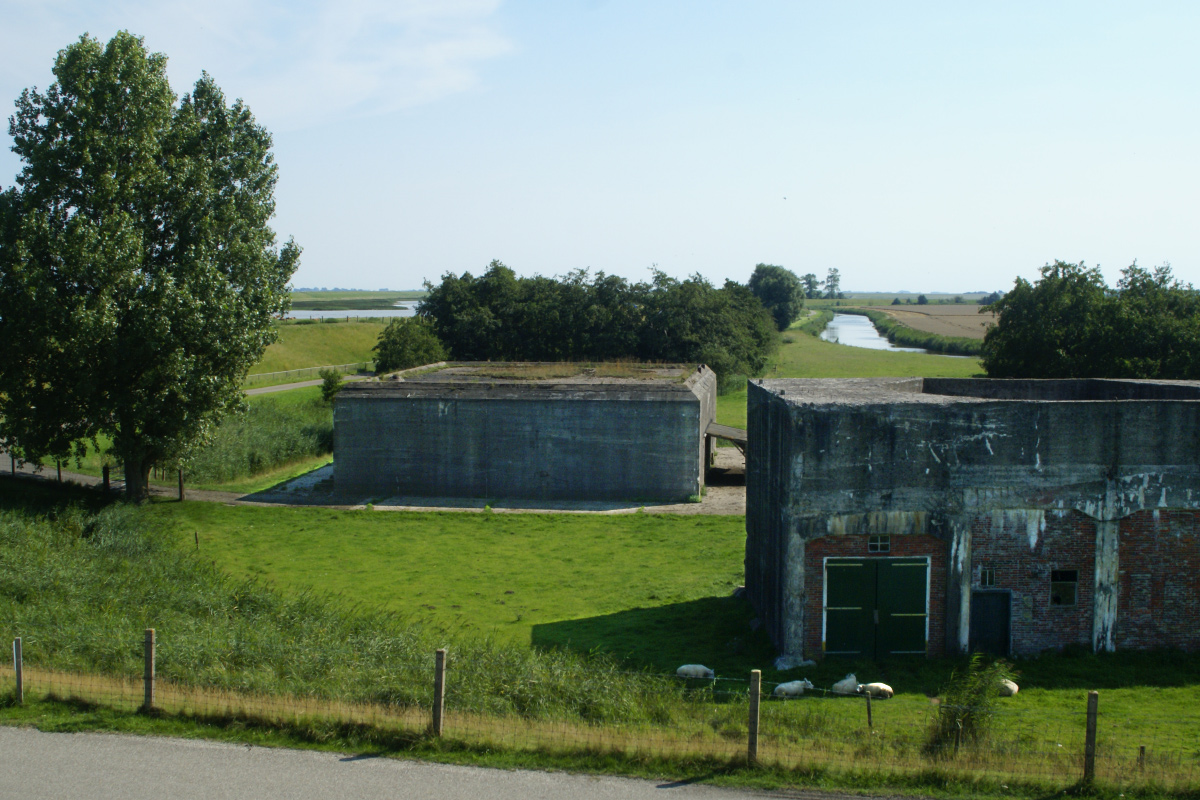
{"x": 888, "y": 517}
{"x": 543, "y": 431}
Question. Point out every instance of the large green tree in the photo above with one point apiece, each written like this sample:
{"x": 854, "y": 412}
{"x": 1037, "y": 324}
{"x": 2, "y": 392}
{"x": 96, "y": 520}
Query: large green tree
{"x": 138, "y": 274}
{"x": 780, "y": 292}
{"x": 1070, "y": 324}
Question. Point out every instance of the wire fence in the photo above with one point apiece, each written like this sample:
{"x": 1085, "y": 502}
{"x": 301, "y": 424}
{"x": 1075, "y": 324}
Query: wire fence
{"x": 307, "y": 373}
{"x": 718, "y": 720}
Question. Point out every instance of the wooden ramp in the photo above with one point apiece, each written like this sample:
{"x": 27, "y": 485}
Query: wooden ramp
{"x": 735, "y": 435}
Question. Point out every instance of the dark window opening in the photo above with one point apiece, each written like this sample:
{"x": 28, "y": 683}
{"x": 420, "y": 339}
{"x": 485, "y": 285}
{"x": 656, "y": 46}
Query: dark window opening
{"x": 987, "y": 577}
{"x": 1064, "y": 584}
{"x": 879, "y": 544}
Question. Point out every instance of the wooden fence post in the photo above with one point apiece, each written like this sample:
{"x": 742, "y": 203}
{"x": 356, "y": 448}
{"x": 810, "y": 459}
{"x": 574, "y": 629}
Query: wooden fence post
{"x": 752, "y": 724}
{"x": 18, "y": 668}
{"x": 59, "y": 465}
{"x": 439, "y": 689}
{"x": 870, "y": 724}
{"x": 1089, "y": 747}
{"x": 181, "y": 484}
{"x": 107, "y": 483}
{"x": 1142, "y": 758}
{"x": 148, "y": 677}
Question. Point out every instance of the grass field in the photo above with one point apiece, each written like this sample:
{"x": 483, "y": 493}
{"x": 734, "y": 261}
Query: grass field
{"x": 320, "y": 345}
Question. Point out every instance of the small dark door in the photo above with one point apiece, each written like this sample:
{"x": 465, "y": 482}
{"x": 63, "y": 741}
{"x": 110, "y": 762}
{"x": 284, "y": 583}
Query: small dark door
{"x": 990, "y": 615}
{"x": 875, "y": 608}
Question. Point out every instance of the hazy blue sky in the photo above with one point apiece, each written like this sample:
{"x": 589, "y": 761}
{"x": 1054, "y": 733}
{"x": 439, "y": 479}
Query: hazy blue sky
{"x": 922, "y": 146}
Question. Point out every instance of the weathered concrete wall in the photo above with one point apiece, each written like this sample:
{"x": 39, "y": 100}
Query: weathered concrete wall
{"x": 540, "y": 440}
{"x": 886, "y": 456}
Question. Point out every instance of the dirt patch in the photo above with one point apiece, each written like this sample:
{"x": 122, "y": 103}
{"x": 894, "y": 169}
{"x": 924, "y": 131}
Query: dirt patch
{"x": 964, "y": 320}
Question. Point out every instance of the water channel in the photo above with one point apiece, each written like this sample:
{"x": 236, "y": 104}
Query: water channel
{"x": 408, "y": 311}
{"x": 857, "y": 331}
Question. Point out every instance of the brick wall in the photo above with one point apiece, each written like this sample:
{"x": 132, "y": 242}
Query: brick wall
{"x": 817, "y": 550}
{"x": 1159, "y": 562}
{"x": 1023, "y": 549}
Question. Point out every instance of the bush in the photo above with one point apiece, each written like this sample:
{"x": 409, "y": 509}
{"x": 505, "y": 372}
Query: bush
{"x": 406, "y": 343}
{"x": 331, "y": 383}
{"x": 968, "y": 703}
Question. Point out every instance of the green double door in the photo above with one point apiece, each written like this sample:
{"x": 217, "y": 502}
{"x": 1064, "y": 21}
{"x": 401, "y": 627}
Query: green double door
{"x": 875, "y": 607}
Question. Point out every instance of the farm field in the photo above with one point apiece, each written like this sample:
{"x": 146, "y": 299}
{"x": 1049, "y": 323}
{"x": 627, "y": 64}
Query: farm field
{"x": 948, "y": 320}
{"x": 319, "y": 345}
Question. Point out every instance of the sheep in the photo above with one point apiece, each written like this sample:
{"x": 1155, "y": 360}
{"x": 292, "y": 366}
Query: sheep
{"x": 1007, "y": 688}
{"x": 876, "y": 689}
{"x": 847, "y": 685}
{"x": 695, "y": 671}
{"x": 792, "y": 688}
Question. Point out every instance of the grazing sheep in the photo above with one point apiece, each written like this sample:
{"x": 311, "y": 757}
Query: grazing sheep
{"x": 876, "y": 689}
{"x": 1008, "y": 688}
{"x": 847, "y": 685}
{"x": 695, "y": 671}
{"x": 792, "y": 688}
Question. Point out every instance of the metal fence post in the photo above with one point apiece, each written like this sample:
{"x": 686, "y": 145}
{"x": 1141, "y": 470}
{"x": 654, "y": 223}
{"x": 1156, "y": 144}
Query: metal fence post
{"x": 107, "y": 482}
{"x": 18, "y": 665}
{"x": 148, "y": 677}
{"x": 181, "y": 484}
{"x": 752, "y": 723}
{"x": 1089, "y": 747}
{"x": 870, "y": 724}
{"x": 439, "y": 689}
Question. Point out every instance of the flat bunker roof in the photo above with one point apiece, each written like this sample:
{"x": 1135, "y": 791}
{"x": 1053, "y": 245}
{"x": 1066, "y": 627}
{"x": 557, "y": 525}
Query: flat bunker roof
{"x": 474, "y": 379}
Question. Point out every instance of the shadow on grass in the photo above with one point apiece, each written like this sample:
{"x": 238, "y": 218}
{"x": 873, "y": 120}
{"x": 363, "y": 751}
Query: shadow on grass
{"x": 715, "y": 631}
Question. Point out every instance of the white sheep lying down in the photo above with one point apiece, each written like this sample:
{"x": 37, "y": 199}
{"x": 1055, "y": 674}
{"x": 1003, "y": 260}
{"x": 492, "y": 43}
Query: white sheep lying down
{"x": 875, "y": 689}
{"x": 1008, "y": 688}
{"x": 792, "y": 688}
{"x": 695, "y": 671}
{"x": 847, "y": 685}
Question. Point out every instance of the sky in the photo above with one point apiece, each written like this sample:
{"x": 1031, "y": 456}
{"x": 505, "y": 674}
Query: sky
{"x": 913, "y": 146}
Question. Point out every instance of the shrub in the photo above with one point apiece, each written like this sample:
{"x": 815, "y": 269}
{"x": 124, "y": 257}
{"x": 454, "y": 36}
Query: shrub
{"x": 331, "y": 383}
{"x": 406, "y": 343}
{"x": 968, "y": 703}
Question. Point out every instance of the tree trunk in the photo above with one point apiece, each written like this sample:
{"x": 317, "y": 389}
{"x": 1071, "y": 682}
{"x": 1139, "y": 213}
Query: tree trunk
{"x": 137, "y": 478}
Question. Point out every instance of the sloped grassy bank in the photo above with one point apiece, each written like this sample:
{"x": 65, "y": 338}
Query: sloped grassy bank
{"x": 80, "y": 586}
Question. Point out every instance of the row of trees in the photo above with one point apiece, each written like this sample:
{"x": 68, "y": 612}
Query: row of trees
{"x": 138, "y": 274}
{"x": 1070, "y": 324}
{"x": 499, "y": 316}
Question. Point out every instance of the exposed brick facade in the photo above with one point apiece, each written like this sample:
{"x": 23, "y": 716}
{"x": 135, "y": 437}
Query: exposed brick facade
{"x": 1159, "y": 600}
{"x": 855, "y": 546}
{"x": 1023, "y": 552}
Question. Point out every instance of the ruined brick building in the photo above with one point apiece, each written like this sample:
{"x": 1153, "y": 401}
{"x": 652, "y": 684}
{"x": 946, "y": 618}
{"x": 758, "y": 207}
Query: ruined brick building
{"x": 928, "y": 516}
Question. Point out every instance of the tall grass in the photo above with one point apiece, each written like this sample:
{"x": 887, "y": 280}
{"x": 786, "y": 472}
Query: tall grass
{"x": 272, "y": 432}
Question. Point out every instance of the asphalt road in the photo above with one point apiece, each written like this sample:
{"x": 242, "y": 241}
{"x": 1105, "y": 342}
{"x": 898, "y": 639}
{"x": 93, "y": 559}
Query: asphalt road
{"x": 82, "y": 766}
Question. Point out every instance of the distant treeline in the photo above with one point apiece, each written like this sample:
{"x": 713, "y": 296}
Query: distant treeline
{"x": 579, "y": 317}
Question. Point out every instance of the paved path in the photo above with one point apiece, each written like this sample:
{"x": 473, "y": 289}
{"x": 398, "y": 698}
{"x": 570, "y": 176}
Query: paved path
{"x": 96, "y": 765}
{"x": 283, "y": 387}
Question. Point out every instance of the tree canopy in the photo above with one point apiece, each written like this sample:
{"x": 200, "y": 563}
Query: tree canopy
{"x": 780, "y": 292}
{"x": 138, "y": 274}
{"x": 498, "y": 316}
{"x": 1070, "y": 324}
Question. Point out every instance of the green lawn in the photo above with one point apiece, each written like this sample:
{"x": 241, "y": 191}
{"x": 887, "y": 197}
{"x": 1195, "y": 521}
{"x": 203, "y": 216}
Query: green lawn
{"x": 548, "y": 579}
{"x": 321, "y": 344}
